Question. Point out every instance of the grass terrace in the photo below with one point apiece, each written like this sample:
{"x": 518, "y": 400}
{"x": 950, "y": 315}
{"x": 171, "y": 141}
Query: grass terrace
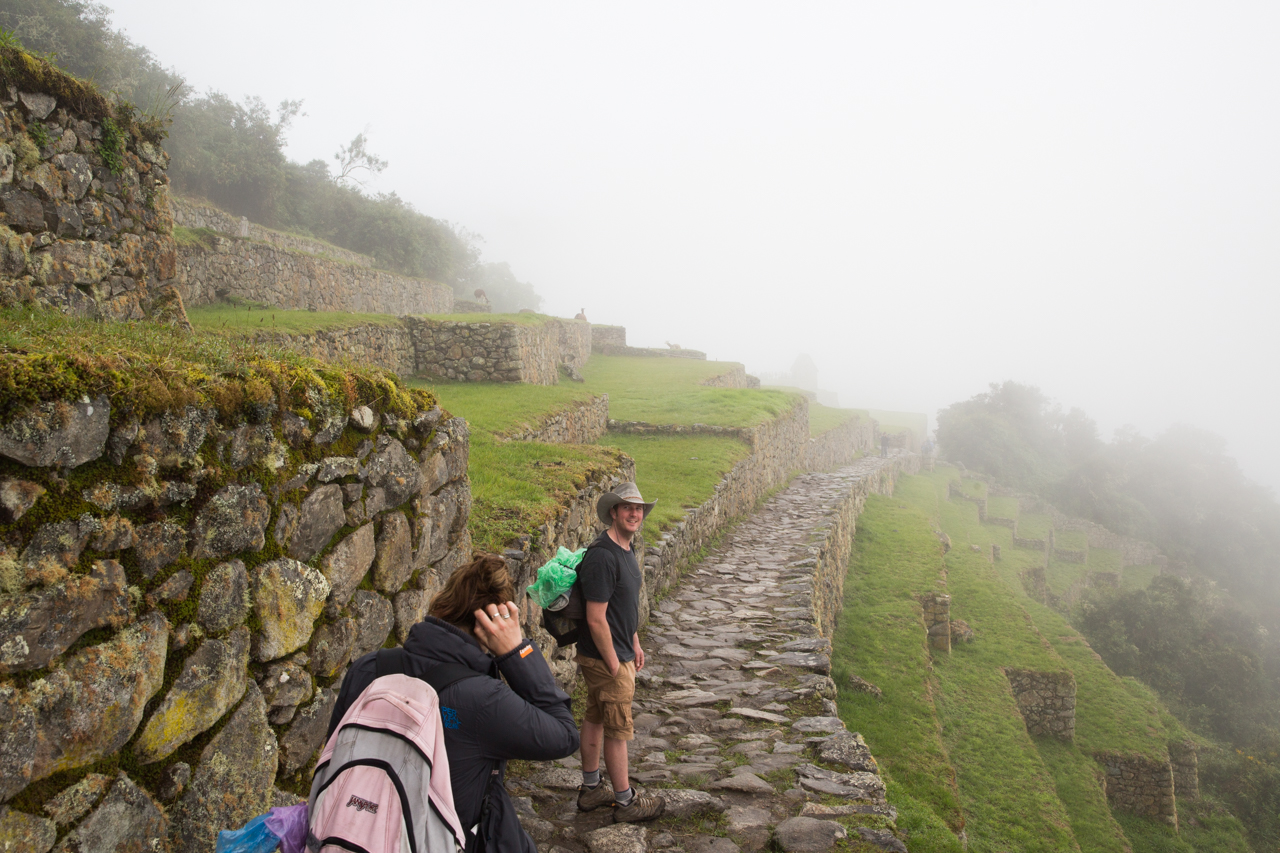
{"x": 519, "y": 485}
{"x": 527, "y": 318}
{"x": 240, "y": 317}
{"x": 670, "y": 391}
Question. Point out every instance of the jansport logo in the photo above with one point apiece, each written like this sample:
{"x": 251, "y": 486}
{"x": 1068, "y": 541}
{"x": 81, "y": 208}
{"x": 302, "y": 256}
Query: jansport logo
{"x": 362, "y": 805}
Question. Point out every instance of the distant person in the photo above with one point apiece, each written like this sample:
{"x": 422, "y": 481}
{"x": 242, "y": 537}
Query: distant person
{"x": 473, "y": 622}
{"x": 609, "y": 655}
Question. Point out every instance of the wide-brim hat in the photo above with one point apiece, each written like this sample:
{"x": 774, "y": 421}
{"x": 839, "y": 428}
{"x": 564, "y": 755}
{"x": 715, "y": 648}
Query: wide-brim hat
{"x": 625, "y": 493}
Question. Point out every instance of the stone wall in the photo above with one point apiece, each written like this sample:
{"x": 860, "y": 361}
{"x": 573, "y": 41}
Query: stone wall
{"x": 1047, "y": 701}
{"x": 78, "y": 233}
{"x": 181, "y": 593}
{"x": 581, "y": 423}
{"x": 498, "y": 352}
{"x": 1186, "y": 769}
{"x": 227, "y": 267}
{"x": 387, "y": 346}
{"x": 840, "y": 445}
{"x": 575, "y": 342}
{"x": 602, "y": 336}
{"x": 1140, "y": 785}
{"x": 1134, "y": 552}
{"x": 832, "y": 540}
{"x": 461, "y": 307}
{"x": 648, "y": 352}
{"x": 190, "y": 213}
{"x": 736, "y": 377}
{"x": 935, "y": 608}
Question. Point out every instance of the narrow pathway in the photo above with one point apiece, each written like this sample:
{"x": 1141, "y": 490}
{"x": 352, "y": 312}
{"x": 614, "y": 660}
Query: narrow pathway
{"x": 736, "y": 720}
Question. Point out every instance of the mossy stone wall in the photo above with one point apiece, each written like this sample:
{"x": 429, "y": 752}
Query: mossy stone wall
{"x": 181, "y": 593}
{"x": 85, "y": 224}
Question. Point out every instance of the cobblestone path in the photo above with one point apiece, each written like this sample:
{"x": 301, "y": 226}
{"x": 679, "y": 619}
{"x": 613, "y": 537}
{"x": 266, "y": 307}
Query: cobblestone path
{"x": 736, "y": 720}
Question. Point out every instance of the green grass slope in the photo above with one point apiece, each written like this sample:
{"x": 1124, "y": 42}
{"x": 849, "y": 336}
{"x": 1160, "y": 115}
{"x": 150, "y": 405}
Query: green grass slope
{"x": 947, "y": 732}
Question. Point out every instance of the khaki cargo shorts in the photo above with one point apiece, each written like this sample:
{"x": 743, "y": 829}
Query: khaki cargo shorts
{"x": 609, "y": 696}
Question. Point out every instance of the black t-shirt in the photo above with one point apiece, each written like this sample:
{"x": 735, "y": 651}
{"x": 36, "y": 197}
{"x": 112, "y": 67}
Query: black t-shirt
{"x": 609, "y": 573}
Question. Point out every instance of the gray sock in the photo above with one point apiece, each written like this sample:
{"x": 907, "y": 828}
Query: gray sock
{"x": 624, "y": 798}
{"x": 591, "y": 778}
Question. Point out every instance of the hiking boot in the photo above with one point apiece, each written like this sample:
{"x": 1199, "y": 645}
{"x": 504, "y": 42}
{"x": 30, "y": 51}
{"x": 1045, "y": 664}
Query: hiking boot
{"x": 641, "y": 807}
{"x": 594, "y": 798}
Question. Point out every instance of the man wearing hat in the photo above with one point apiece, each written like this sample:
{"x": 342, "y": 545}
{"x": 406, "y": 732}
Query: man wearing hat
{"x": 609, "y": 654}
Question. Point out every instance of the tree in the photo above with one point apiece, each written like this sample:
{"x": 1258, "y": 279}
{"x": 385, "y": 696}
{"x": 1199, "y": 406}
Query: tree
{"x": 356, "y": 158}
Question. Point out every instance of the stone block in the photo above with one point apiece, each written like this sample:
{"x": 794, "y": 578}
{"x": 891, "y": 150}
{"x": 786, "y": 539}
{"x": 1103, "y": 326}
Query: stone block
{"x": 287, "y": 598}
{"x": 39, "y": 626}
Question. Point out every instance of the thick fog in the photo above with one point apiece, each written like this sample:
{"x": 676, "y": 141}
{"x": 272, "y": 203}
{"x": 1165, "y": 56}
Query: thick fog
{"x": 924, "y": 198}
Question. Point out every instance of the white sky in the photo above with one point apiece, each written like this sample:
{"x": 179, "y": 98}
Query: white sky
{"x": 925, "y": 197}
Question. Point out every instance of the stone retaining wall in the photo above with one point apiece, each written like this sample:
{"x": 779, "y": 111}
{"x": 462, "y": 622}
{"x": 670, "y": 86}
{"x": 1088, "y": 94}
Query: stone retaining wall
{"x": 840, "y": 445}
{"x": 387, "y": 346}
{"x": 170, "y": 576}
{"x": 258, "y": 272}
{"x": 832, "y": 539}
{"x": 1047, "y": 701}
{"x": 736, "y": 377}
{"x": 190, "y": 213}
{"x": 602, "y": 336}
{"x": 575, "y": 342}
{"x": 1134, "y": 552}
{"x": 643, "y": 352}
{"x": 1140, "y": 785}
{"x": 1186, "y": 769}
{"x": 75, "y": 234}
{"x": 498, "y": 352}
{"x": 582, "y": 423}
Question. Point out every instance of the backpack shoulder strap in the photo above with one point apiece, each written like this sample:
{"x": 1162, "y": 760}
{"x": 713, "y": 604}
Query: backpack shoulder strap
{"x": 392, "y": 662}
{"x": 446, "y": 674}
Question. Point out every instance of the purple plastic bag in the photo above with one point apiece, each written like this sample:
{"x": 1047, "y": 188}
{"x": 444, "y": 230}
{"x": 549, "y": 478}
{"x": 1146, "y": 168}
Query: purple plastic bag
{"x": 289, "y": 824}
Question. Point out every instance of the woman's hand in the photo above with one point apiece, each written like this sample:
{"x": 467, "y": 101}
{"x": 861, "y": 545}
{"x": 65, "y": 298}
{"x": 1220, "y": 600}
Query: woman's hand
{"x": 498, "y": 627}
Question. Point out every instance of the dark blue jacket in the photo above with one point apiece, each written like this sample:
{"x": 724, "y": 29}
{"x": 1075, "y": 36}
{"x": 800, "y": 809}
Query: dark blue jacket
{"x": 486, "y": 721}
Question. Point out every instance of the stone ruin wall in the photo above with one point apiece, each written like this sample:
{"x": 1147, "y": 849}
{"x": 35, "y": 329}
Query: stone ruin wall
{"x": 498, "y": 352}
{"x": 180, "y": 596}
{"x": 602, "y": 336}
{"x": 581, "y": 423}
{"x": 648, "y": 352}
{"x": 832, "y": 546}
{"x": 75, "y": 235}
{"x": 736, "y": 377}
{"x": 190, "y": 213}
{"x": 259, "y": 272}
{"x": 1134, "y": 552}
{"x": 1140, "y": 785}
{"x": 1185, "y": 762}
{"x": 840, "y": 445}
{"x": 575, "y": 342}
{"x": 935, "y": 610}
{"x": 1046, "y": 700}
{"x": 389, "y": 347}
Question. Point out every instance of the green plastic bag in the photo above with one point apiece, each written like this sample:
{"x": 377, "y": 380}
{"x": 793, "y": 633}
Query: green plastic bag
{"x": 556, "y": 577}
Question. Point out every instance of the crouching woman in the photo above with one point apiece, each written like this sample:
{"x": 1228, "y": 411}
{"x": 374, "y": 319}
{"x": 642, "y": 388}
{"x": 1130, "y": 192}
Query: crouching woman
{"x": 472, "y": 622}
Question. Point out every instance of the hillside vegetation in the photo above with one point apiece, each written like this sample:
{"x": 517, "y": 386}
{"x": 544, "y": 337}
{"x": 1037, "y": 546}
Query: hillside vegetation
{"x": 948, "y": 733}
{"x": 1206, "y": 635}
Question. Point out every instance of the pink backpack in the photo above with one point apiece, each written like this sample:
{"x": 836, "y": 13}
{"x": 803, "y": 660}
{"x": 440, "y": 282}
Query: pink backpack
{"x": 382, "y": 784}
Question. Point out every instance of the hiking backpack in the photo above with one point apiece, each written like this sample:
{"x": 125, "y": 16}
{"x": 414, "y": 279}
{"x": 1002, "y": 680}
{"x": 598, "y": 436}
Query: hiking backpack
{"x": 382, "y": 783}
